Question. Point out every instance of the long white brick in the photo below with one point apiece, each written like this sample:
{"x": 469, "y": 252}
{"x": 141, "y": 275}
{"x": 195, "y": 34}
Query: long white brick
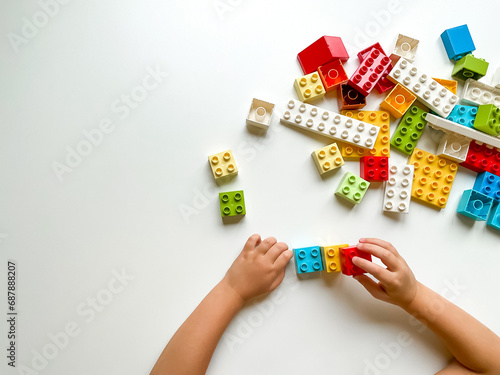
{"x": 478, "y": 93}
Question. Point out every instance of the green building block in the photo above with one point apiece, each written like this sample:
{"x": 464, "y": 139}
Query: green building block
{"x": 232, "y": 203}
{"x": 488, "y": 119}
{"x": 352, "y": 188}
{"x": 410, "y": 130}
{"x": 469, "y": 67}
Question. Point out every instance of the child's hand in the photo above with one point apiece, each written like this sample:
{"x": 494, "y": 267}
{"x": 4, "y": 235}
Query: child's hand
{"x": 397, "y": 284}
{"x": 259, "y": 268}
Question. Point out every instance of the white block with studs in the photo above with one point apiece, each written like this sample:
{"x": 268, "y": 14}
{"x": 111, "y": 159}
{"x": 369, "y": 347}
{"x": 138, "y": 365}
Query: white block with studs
{"x": 397, "y": 193}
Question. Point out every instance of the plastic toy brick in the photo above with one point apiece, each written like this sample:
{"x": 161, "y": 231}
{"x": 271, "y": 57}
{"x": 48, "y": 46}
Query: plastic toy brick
{"x": 433, "y": 95}
{"x": 477, "y": 93}
{"x": 495, "y": 81}
{"x": 369, "y": 71}
{"x": 457, "y": 42}
{"x": 433, "y": 178}
{"x": 469, "y": 67}
{"x": 463, "y": 115}
{"x": 405, "y": 47}
{"x": 398, "y": 189}
{"x": 374, "y": 168}
{"x": 452, "y": 127}
{"x": 260, "y": 114}
{"x": 453, "y": 147}
{"x": 223, "y": 165}
{"x": 494, "y": 218}
{"x": 327, "y": 159}
{"x": 346, "y": 255}
{"x": 232, "y": 203}
{"x": 488, "y": 184}
{"x": 321, "y": 52}
{"x": 410, "y": 130}
{"x": 398, "y": 101}
{"x": 450, "y": 84}
{"x": 331, "y": 257}
{"x": 482, "y": 158}
{"x": 488, "y": 119}
{"x": 308, "y": 259}
{"x": 309, "y": 87}
{"x": 352, "y": 188}
{"x": 383, "y": 84}
{"x": 382, "y": 147}
{"x": 349, "y": 98}
{"x": 332, "y": 75}
{"x": 330, "y": 124}
{"x": 475, "y": 205}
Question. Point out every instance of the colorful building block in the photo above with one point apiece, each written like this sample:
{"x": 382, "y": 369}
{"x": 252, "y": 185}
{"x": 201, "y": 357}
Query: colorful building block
{"x": 332, "y": 75}
{"x": 405, "y": 47}
{"x": 374, "y": 168}
{"x": 475, "y": 205}
{"x": 495, "y": 81}
{"x": 382, "y": 147}
{"x": 469, "y": 67}
{"x": 352, "y": 188}
{"x": 383, "y": 84}
{"x": 450, "y": 84}
{"x": 463, "y": 115}
{"x": 309, "y": 87}
{"x": 369, "y": 72}
{"x": 398, "y": 101}
{"x": 494, "y": 218}
{"x": 488, "y": 184}
{"x": 223, "y": 165}
{"x": 327, "y": 159}
{"x": 329, "y": 124}
{"x": 331, "y": 257}
{"x": 398, "y": 189}
{"x": 321, "y": 52}
{"x": 430, "y": 93}
{"x": 260, "y": 114}
{"x": 349, "y": 98}
{"x": 453, "y": 147}
{"x": 477, "y": 93}
{"x": 346, "y": 255}
{"x": 232, "y": 203}
{"x": 482, "y": 158}
{"x": 488, "y": 119}
{"x": 433, "y": 178}
{"x": 409, "y": 130}
{"x": 457, "y": 42}
{"x": 308, "y": 259}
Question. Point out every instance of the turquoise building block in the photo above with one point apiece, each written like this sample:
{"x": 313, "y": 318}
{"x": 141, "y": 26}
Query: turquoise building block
{"x": 308, "y": 259}
{"x": 475, "y": 205}
{"x": 494, "y": 218}
{"x": 463, "y": 115}
{"x": 488, "y": 184}
{"x": 457, "y": 42}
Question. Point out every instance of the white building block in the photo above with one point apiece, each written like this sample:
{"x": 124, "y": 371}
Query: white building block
{"x": 432, "y": 94}
{"x": 478, "y": 93}
{"x": 330, "y": 124}
{"x": 397, "y": 193}
{"x": 260, "y": 114}
{"x": 454, "y": 147}
{"x": 405, "y": 47}
{"x": 495, "y": 81}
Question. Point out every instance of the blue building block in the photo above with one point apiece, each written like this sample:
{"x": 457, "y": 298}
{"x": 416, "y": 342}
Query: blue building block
{"x": 494, "y": 218}
{"x": 308, "y": 259}
{"x": 463, "y": 115}
{"x": 488, "y": 184}
{"x": 475, "y": 205}
{"x": 458, "y": 42}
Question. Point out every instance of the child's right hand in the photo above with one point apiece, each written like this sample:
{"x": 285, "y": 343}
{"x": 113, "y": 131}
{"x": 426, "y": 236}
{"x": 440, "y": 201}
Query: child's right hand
{"x": 397, "y": 284}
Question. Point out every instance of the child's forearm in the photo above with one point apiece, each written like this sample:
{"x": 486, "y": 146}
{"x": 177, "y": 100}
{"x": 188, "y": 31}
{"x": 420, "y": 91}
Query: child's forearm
{"x": 191, "y": 348}
{"x": 470, "y": 342}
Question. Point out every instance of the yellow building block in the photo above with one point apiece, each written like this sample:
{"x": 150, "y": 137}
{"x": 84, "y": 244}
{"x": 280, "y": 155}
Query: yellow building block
{"x": 223, "y": 165}
{"x": 382, "y": 143}
{"x": 331, "y": 257}
{"x": 309, "y": 87}
{"x": 398, "y": 101}
{"x": 327, "y": 158}
{"x": 450, "y": 84}
{"x": 433, "y": 178}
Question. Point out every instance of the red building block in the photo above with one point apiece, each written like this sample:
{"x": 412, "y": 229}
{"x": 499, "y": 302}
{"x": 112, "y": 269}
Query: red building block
{"x": 482, "y": 158}
{"x": 374, "y": 168}
{"x": 349, "y": 98}
{"x": 346, "y": 254}
{"x": 332, "y": 75}
{"x": 383, "y": 84}
{"x": 321, "y": 52}
{"x": 369, "y": 71}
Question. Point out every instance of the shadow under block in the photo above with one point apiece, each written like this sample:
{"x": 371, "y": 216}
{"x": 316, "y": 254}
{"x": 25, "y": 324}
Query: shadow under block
{"x": 327, "y": 159}
{"x": 346, "y": 256}
{"x": 308, "y": 259}
{"x": 331, "y": 257}
{"x": 260, "y": 114}
{"x": 309, "y": 87}
{"x": 232, "y": 203}
{"x": 397, "y": 194}
{"x": 409, "y": 130}
{"x": 398, "y": 101}
{"x": 475, "y": 205}
{"x": 433, "y": 178}
{"x": 352, "y": 188}
{"x": 223, "y": 165}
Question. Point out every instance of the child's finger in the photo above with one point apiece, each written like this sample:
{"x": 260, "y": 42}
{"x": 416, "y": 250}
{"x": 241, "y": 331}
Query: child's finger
{"x": 372, "y": 287}
{"x": 283, "y": 259}
{"x": 388, "y": 258}
{"x": 266, "y": 244}
{"x": 381, "y": 243}
{"x": 276, "y": 250}
{"x": 380, "y": 273}
{"x": 253, "y": 241}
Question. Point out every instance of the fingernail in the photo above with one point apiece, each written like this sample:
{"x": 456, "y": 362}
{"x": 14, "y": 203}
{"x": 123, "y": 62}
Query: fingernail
{"x": 361, "y": 239}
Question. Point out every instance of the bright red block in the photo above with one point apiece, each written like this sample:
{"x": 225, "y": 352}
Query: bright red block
{"x": 346, "y": 254}
{"x": 332, "y": 75}
{"x": 383, "y": 84}
{"x": 369, "y": 71}
{"x": 482, "y": 158}
{"x": 321, "y": 52}
{"x": 374, "y": 168}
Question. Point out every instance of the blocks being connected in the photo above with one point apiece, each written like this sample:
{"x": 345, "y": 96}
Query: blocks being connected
{"x": 450, "y": 84}
{"x": 469, "y": 67}
{"x": 223, "y": 165}
{"x": 429, "y": 92}
{"x": 349, "y": 98}
{"x": 457, "y": 42}
{"x": 308, "y": 259}
{"x": 433, "y": 178}
{"x": 409, "y": 130}
{"x": 331, "y": 257}
{"x": 232, "y": 203}
{"x": 494, "y": 218}
{"x": 321, "y": 52}
{"x": 475, "y": 205}
{"x": 477, "y": 93}
{"x": 488, "y": 184}
{"x": 482, "y": 158}
{"x": 405, "y": 47}
{"x": 398, "y": 101}
{"x": 346, "y": 256}
{"x": 454, "y": 147}
{"x": 309, "y": 87}
{"x": 397, "y": 193}
{"x": 332, "y": 75}
{"x": 260, "y": 114}
{"x": 464, "y": 115}
{"x": 488, "y": 119}
{"x": 369, "y": 72}
{"x": 327, "y": 159}
{"x": 330, "y": 124}
{"x": 352, "y": 188}
{"x": 374, "y": 168}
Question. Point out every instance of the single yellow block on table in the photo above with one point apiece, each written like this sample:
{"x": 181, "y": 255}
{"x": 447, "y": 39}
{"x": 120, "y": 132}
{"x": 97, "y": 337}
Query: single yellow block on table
{"x": 223, "y": 165}
{"x": 309, "y": 87}
{"x": 327, "y": 158}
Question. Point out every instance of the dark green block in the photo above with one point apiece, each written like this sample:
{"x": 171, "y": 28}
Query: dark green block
{"x": 469, "y": 67}
{"x": 409, "y": 130}
{"x": 488, "y": 119}
{"x": 232, "y": 203}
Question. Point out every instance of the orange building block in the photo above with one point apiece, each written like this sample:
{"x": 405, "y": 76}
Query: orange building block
{"x": 450, "y": 84}
{"x": 331, "y": 257}
{"x": 398, "y": 101}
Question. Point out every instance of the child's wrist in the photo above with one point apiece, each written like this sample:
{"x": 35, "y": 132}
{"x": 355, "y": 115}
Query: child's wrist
{"x": 233, "y": 296}
{"x": 411, "y": 305}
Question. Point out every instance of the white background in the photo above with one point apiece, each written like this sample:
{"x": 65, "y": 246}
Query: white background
{"x": 119, "y": 210}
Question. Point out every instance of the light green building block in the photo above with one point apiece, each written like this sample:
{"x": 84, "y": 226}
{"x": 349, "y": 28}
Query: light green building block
{"x": 488, "y": 119}
{"x": 469, "y": 67}
{"x": 352, "y": 188}
{"x": 232, "y": 203}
